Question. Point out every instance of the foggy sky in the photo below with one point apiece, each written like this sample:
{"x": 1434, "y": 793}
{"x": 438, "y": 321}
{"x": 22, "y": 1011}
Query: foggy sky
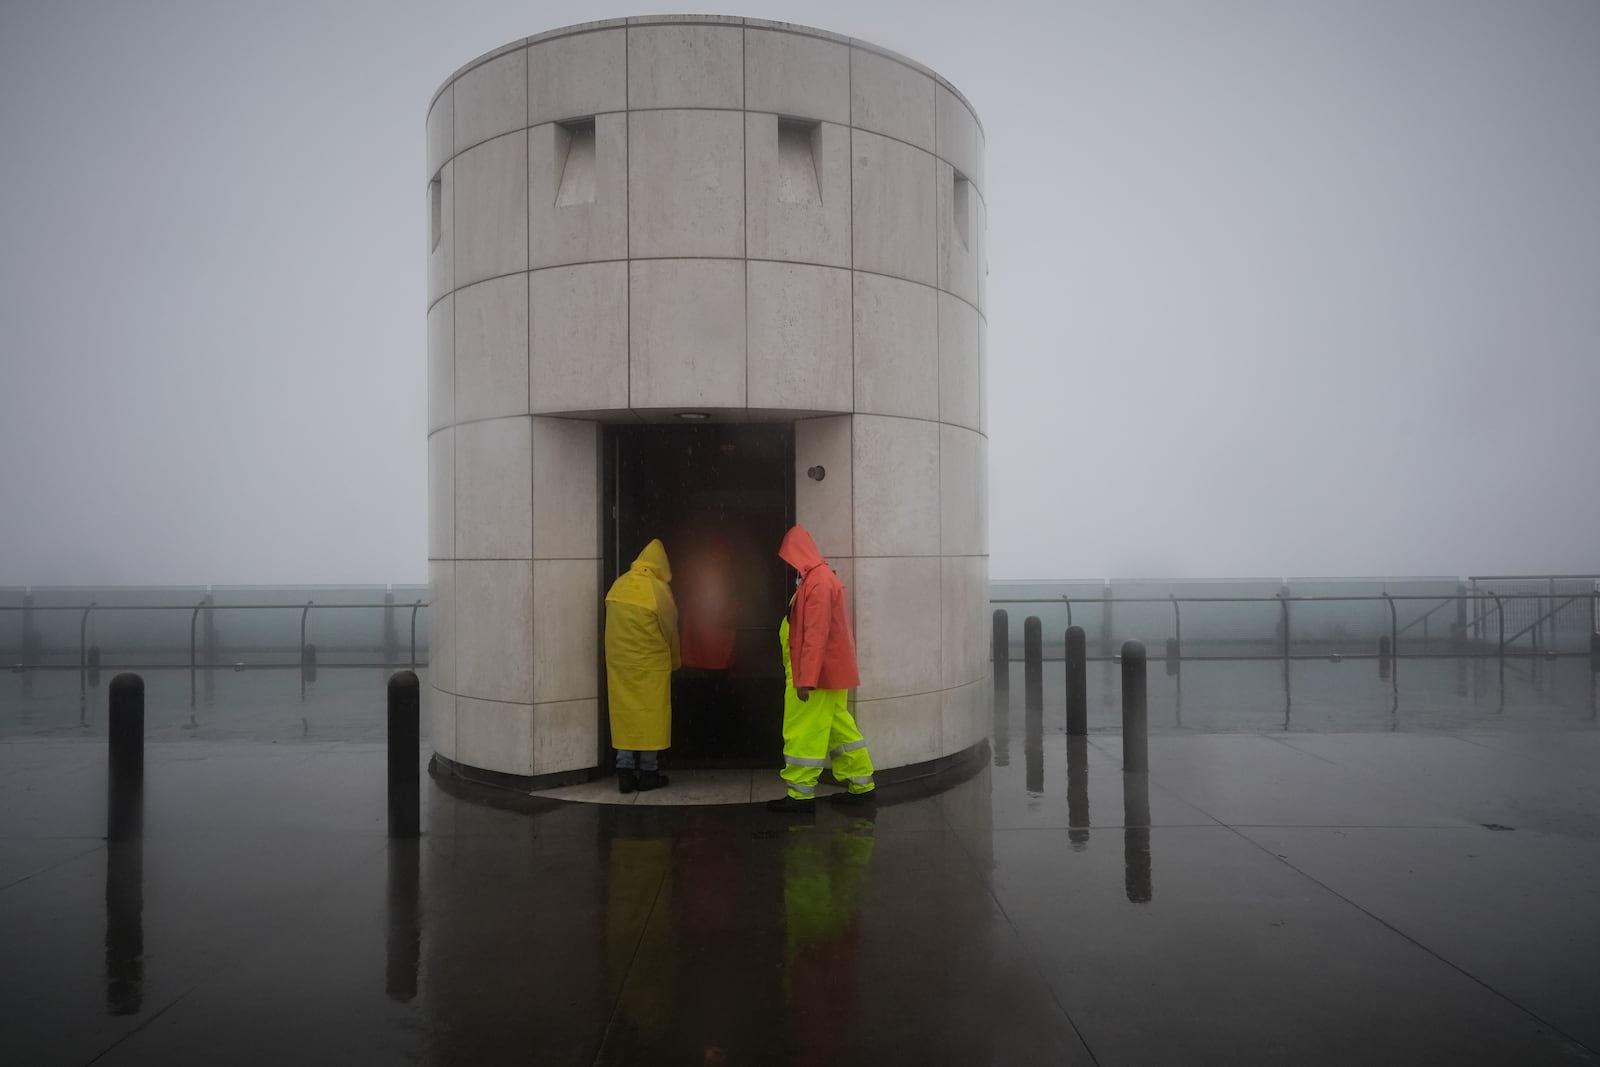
{"x": 1275, "y": 288}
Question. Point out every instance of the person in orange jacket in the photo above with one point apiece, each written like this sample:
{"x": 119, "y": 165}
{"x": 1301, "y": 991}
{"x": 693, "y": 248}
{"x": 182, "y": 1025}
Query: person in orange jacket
{"x": 819, "y": 667}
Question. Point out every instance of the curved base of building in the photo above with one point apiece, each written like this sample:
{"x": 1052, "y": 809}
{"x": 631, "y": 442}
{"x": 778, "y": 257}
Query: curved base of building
{"x": 501, "y": 789}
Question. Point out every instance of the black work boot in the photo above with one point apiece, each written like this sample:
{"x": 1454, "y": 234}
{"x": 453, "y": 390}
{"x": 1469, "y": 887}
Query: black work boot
{"x": 789, "y": 805}
{"x": 649, "y": 780}
{"x": 627, "y": 779}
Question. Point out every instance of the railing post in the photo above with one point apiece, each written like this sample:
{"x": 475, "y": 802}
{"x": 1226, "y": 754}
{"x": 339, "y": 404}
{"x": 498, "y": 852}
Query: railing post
{"x": 1135, "y": 713}
{"x": 1594, "y": 651}
{"x": 1106, "y": 621}
{"x": 1033, "y": 662}
{"x": 391, "y": 639}
{"x": 405, "y": 731}
{"x": 30, "y": 640}
{"x": 83, "y": 643}
{"x": 1283, "y": 602}
{"x": 414, "y": 608}
{"x": 1394, "y": 632}
{"x": 1174, "y": 659}
{"x": 1458, "y": 633}
{"x": 1077, "y": 682}
{"x": 1385, "y": 662}
{"x": 308, "y": 663}
{"x": 1500, "y": 619}
{"x": 194, "y": 617}
{"x": 1002, "y": 649}
{"x": 125, "y": 797}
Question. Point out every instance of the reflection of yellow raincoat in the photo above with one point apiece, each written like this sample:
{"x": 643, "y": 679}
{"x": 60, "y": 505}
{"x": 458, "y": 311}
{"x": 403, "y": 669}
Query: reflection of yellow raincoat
{"x": 642, "y": 652}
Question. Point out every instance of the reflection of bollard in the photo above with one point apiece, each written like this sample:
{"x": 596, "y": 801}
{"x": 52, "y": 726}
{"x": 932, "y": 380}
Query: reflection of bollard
{"x": 1135, "y": 717}
{"x": 1002, "y": 649}
{"x": 1172, "y": 656}
{"x": 308, "y": 663}
{"x": 1032, "y": 662}
{"x": 124, "y": 977}
{"x": 405, "y": 786}
{"x": 403, "y": 945}
{"x": 1136, "y": 837}
{"x": 1385, "y": 654}
{"x": 1077, "y": 682}
{"x": 94, "y": 665}
{"x": 125, "y": 797}
{"x": 1033, "y": 751}
{"x": 1077, "y": 792}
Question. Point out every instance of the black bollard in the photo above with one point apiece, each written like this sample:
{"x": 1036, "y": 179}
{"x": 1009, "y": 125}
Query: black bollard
{"x": 1384, "y": 656}
{"x": 405, "y": 732}
{"x": 1077, "y": 682}
{"x": 125, "y": 797}
{"x": 1032, "y": 663}
{"x": 1172, "y": 656}
{"x": 1135, "y": 716}
{"x": 1002, "y": 649}
{"x": 94, "y": 665}
{"x": 1594, "y": 651}
{"x": 308, "y": 663}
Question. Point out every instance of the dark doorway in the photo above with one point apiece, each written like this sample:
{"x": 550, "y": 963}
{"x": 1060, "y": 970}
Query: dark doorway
{"x": 720, "y": 497}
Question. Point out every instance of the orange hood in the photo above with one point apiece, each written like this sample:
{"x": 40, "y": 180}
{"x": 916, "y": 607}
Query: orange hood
{"x": 800, "y": 551}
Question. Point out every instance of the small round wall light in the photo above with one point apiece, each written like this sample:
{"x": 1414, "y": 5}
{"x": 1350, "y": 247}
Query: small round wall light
{"x": 816, "y": 473}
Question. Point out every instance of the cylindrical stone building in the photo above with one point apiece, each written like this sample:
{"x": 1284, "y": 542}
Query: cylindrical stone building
{"x": 699, "y": 279}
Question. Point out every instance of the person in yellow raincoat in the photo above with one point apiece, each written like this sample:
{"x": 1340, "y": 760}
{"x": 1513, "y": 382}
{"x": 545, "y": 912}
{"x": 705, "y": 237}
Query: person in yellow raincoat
{"x": 641, "y": 654}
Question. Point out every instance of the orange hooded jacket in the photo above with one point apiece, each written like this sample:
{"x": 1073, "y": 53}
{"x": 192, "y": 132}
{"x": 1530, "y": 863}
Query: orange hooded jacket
{"x": 822, "y": 654}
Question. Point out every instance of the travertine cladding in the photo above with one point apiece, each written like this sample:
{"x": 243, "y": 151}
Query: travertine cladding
{"x": 637, "y": 217}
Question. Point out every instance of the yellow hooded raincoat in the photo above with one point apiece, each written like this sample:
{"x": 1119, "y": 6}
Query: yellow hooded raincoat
{"x": 642, "y": 652}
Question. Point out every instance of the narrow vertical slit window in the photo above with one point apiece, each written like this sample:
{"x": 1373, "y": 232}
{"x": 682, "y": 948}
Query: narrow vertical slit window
{"x": 435, "y": 212}
{"x": 799, "y": 146}
{"x": 577, "y": 169}
{"x": 961, "y": 208}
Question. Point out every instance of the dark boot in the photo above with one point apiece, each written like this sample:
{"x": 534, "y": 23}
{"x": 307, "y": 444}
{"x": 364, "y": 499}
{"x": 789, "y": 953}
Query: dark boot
{"x": 627, "y": 779}
{"x": 793, "y": 805}
{"x": 649, "y": 780}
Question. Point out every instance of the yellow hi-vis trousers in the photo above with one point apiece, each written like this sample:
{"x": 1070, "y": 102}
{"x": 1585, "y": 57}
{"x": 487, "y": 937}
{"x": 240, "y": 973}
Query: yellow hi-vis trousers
{"x": 819, "y": 731}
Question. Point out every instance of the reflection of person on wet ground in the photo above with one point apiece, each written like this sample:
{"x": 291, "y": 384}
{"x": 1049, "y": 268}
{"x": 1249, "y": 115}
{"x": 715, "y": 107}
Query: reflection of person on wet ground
{"x": 819, "y": 667}
{"x": 822, "y": 883}
{"x": 641, "y": 654}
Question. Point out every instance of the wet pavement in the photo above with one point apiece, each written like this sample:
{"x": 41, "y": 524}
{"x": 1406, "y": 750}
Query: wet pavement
{"x": 1420, "y": 891}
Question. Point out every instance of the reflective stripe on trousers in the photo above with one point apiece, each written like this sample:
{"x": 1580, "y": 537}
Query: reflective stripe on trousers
{"x": 820, "y": 731}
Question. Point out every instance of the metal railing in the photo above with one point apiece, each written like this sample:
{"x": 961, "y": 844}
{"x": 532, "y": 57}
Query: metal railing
{"x": 89, "y": 659}
{"x": 1469, "y": 620}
